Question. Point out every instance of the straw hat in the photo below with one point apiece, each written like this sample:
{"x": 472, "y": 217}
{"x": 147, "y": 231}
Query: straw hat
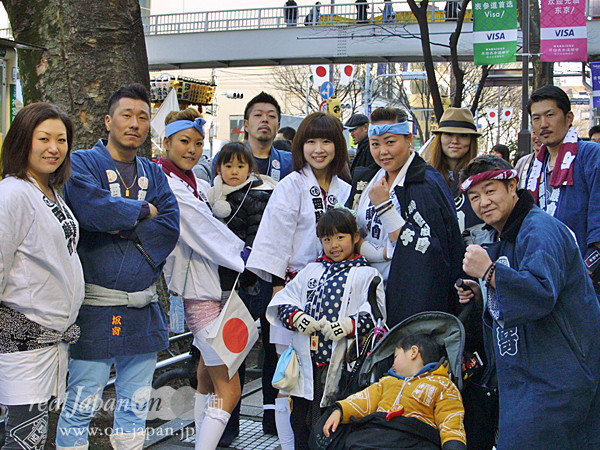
{"x": 459, "y": 121}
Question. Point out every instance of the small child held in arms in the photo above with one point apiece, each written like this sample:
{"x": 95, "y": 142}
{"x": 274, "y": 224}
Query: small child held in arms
{"x": 325, "y": 306}
{"x": 238, "y": 197}
{"x": 417, "y": 405}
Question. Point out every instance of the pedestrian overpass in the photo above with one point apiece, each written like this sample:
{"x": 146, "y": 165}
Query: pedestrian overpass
{"x": 261, "y": 37}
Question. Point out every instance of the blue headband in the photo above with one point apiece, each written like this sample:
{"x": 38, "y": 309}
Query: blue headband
{"x": 179, "y": 125}
{"x": 395, "y": 128}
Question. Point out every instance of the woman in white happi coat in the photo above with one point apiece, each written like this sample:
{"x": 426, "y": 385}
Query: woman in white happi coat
{"x": 380, "y": 227}
{"x": 191, "y": 270}
{"x": 41, "y": 279}
{"x": 287, "y": 240}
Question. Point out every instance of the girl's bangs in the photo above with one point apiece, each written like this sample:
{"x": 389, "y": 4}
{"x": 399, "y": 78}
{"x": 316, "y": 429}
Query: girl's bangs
{"x": 321, "y": 128}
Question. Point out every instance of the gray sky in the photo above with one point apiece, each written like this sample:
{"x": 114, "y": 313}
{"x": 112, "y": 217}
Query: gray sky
{"x": 177, "y": 6}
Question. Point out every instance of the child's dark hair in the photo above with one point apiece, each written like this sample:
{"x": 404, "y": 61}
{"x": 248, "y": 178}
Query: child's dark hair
{"x": 429, "y": 349}
{"x": 239, "y": 151}
{"x": 336, "y": 220}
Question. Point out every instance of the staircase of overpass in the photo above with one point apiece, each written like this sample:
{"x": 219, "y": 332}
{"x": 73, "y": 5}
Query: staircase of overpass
{"x": 261, "y": 36}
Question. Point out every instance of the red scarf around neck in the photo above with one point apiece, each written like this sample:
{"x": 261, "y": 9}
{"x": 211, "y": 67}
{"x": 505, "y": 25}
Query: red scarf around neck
{"x": 186, "y": 176}
{"x": 562, "y": 174}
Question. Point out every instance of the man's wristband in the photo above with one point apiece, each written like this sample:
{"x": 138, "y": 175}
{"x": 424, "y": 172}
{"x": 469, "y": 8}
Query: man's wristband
{"x": 379, "y": 208}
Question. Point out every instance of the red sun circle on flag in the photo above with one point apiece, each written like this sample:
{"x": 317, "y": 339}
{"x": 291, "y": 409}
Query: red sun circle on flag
{"x": 507, "y": 113}
{"x": 348, "y": 70}
{"x": 321, "y": 71}
{"x": 235, "y": 335}
{"x": 492, "y": 115}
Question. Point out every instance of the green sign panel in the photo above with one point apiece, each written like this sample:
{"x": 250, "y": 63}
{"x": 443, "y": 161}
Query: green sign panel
{"x": 494, "y": 31}
{"x": 13, "y": 102}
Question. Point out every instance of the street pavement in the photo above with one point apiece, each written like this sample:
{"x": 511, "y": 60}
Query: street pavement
{"x": 179, "y": 434}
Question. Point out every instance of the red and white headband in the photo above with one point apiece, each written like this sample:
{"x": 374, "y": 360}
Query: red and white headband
{"x": 504, "y": 174}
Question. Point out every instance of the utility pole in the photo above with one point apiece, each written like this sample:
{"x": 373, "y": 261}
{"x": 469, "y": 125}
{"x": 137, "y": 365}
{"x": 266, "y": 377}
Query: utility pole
{"x": 367, "y": 91}
{"x": 525, "y": 135}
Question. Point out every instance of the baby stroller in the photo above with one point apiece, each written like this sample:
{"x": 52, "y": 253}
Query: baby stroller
{"x": 447, "y": 330}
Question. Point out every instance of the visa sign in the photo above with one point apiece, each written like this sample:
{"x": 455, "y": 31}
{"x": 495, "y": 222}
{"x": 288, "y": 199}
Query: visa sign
{"x": 565, "y": 33}
{"x": 495, "y": 36}
{"x": 495, "y": 31}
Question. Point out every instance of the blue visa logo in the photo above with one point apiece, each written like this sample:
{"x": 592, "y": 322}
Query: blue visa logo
{"x": 565, "y": 33}
{"x": 495, "y": 36}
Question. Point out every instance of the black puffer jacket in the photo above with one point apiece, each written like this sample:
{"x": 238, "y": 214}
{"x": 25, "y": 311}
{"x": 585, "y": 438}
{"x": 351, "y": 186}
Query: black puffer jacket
{"x": 245, "y": 205}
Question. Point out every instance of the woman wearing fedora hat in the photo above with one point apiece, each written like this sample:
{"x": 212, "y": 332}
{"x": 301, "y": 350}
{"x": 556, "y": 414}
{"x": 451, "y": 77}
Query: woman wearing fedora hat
{"x": 454, "y": 145}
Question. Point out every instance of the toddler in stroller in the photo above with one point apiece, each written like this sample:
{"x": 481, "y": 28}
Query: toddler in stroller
{"x": 417, "y": 405}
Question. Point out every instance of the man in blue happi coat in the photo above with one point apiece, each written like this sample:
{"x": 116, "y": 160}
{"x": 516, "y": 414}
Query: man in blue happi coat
{"x": 541, "y": 311}
{"x": 564, "y": 178}
{"x": 129, "y": 223}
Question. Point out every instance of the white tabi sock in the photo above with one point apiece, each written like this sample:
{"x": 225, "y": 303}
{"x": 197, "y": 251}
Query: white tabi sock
{"x": 201, "y": 402}
{"x": 285, "y": 433}
{"x": 212, "y": 429}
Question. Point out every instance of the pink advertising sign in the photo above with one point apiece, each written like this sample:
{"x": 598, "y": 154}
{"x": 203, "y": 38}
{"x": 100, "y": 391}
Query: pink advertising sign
{"x": 563, "y": 34}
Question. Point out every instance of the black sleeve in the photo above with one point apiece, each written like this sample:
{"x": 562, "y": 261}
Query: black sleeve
{"x": 277, "y": 281}
{"x": 454, "y": 445}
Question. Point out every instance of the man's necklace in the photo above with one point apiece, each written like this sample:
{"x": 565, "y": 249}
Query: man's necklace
{"x": 125, "y": 185}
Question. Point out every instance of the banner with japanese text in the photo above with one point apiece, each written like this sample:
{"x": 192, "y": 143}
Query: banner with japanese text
{"x": 494, "y": 31}
{"x": 563, "y": 32}
{"x": 595, "y": 66}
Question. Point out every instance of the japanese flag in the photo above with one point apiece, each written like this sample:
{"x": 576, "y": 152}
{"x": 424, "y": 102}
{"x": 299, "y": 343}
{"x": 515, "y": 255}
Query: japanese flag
{"x": 233, "y": 333}
{"x": 320, "y": 74}
{"x": 492, "y": 114}
{"x": 346, "y": 74}
{"x": 507, "y": 114}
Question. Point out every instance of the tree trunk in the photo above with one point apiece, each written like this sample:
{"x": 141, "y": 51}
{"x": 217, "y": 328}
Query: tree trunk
{"x": 91, "y": 49}
{"x": 420, "y": 13}
{"x": 457, "y": 72}
{"x": 485, "y": 70}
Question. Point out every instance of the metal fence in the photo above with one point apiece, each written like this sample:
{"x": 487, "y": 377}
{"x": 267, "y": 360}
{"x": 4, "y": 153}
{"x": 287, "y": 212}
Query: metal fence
{"x": 342, "y": 14}
{"x": 266, "y": 18}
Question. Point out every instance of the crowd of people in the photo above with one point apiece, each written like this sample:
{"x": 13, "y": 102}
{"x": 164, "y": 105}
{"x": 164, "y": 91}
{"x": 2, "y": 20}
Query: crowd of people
{"x": 290, "y": 13}
{"x": 303, "y": 236}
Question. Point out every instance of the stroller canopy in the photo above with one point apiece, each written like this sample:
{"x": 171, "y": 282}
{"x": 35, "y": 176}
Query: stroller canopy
{"x": 447, "y": 330}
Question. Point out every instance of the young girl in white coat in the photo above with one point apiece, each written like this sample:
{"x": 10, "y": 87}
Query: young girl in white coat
{"x": 287, "y": 238}
{"x": 205, "y": 243}
{"x": 324, "y": 306}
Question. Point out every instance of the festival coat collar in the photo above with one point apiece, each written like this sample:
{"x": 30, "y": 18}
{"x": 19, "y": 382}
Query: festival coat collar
{"x": 105, "y": 154}
{"x": 416, "y": 170}
{"x": 518, "y": 214}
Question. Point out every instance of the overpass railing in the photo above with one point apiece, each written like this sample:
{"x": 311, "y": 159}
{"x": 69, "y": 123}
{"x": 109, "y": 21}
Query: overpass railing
{"x": 329, "y": 15}
{"x": 265, "y": 18}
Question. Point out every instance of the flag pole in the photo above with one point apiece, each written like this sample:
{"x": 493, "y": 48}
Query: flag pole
{"x": 524, "y": 142}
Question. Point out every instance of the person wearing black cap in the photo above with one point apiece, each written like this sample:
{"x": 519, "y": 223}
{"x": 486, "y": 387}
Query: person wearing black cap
{"x": 358, "y": 126}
